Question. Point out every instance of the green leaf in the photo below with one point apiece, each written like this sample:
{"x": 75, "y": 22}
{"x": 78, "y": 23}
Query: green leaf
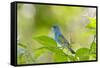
{"x": 39, "y": 52}
{"x": 93, "y": 48}
{"x": 72, "y": 58}
{"x": 59, "y": 56}
{"x": 83, "y": 54}
{"x": 92, "y": 24}
{"x": 85, "y": 58}
{"x": 46, "y": 41}
{"x": 92, "y": 56}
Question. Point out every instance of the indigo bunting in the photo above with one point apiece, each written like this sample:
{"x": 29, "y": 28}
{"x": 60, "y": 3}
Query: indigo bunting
{"x": 60, "y": 39}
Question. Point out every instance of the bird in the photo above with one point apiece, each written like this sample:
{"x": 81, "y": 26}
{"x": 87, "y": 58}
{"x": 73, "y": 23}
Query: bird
{"x": 60, "y": 39}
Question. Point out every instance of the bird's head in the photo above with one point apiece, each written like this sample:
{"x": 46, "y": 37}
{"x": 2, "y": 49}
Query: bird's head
{"x": 55, "y": 28}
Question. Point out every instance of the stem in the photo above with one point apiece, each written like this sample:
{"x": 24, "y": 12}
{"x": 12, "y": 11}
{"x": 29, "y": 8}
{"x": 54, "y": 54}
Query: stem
{"x": 22, "y": 45}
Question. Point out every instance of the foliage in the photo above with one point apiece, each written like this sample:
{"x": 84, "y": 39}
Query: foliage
{"x": 44, "y": 41}
{"x": 36, "y": 43}
{"x": 82, "y": 54}
{"x": 92, "y": 23}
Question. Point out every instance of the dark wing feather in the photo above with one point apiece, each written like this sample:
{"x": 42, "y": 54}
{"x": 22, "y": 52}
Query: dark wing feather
{"x": 65, "y": 43}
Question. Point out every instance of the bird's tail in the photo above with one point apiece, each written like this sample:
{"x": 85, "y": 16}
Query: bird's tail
{"x": 72, "y": 51}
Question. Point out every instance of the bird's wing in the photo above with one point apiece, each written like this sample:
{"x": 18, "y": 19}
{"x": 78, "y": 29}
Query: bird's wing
{"x": 65, "y": 43}
{"x": 61, "y": 39}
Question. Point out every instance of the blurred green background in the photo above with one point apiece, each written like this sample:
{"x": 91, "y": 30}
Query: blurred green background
{"x": 35, "y": 36}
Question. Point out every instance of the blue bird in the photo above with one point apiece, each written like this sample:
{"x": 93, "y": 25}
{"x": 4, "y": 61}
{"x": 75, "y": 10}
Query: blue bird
{"x": 60, "y": 39}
